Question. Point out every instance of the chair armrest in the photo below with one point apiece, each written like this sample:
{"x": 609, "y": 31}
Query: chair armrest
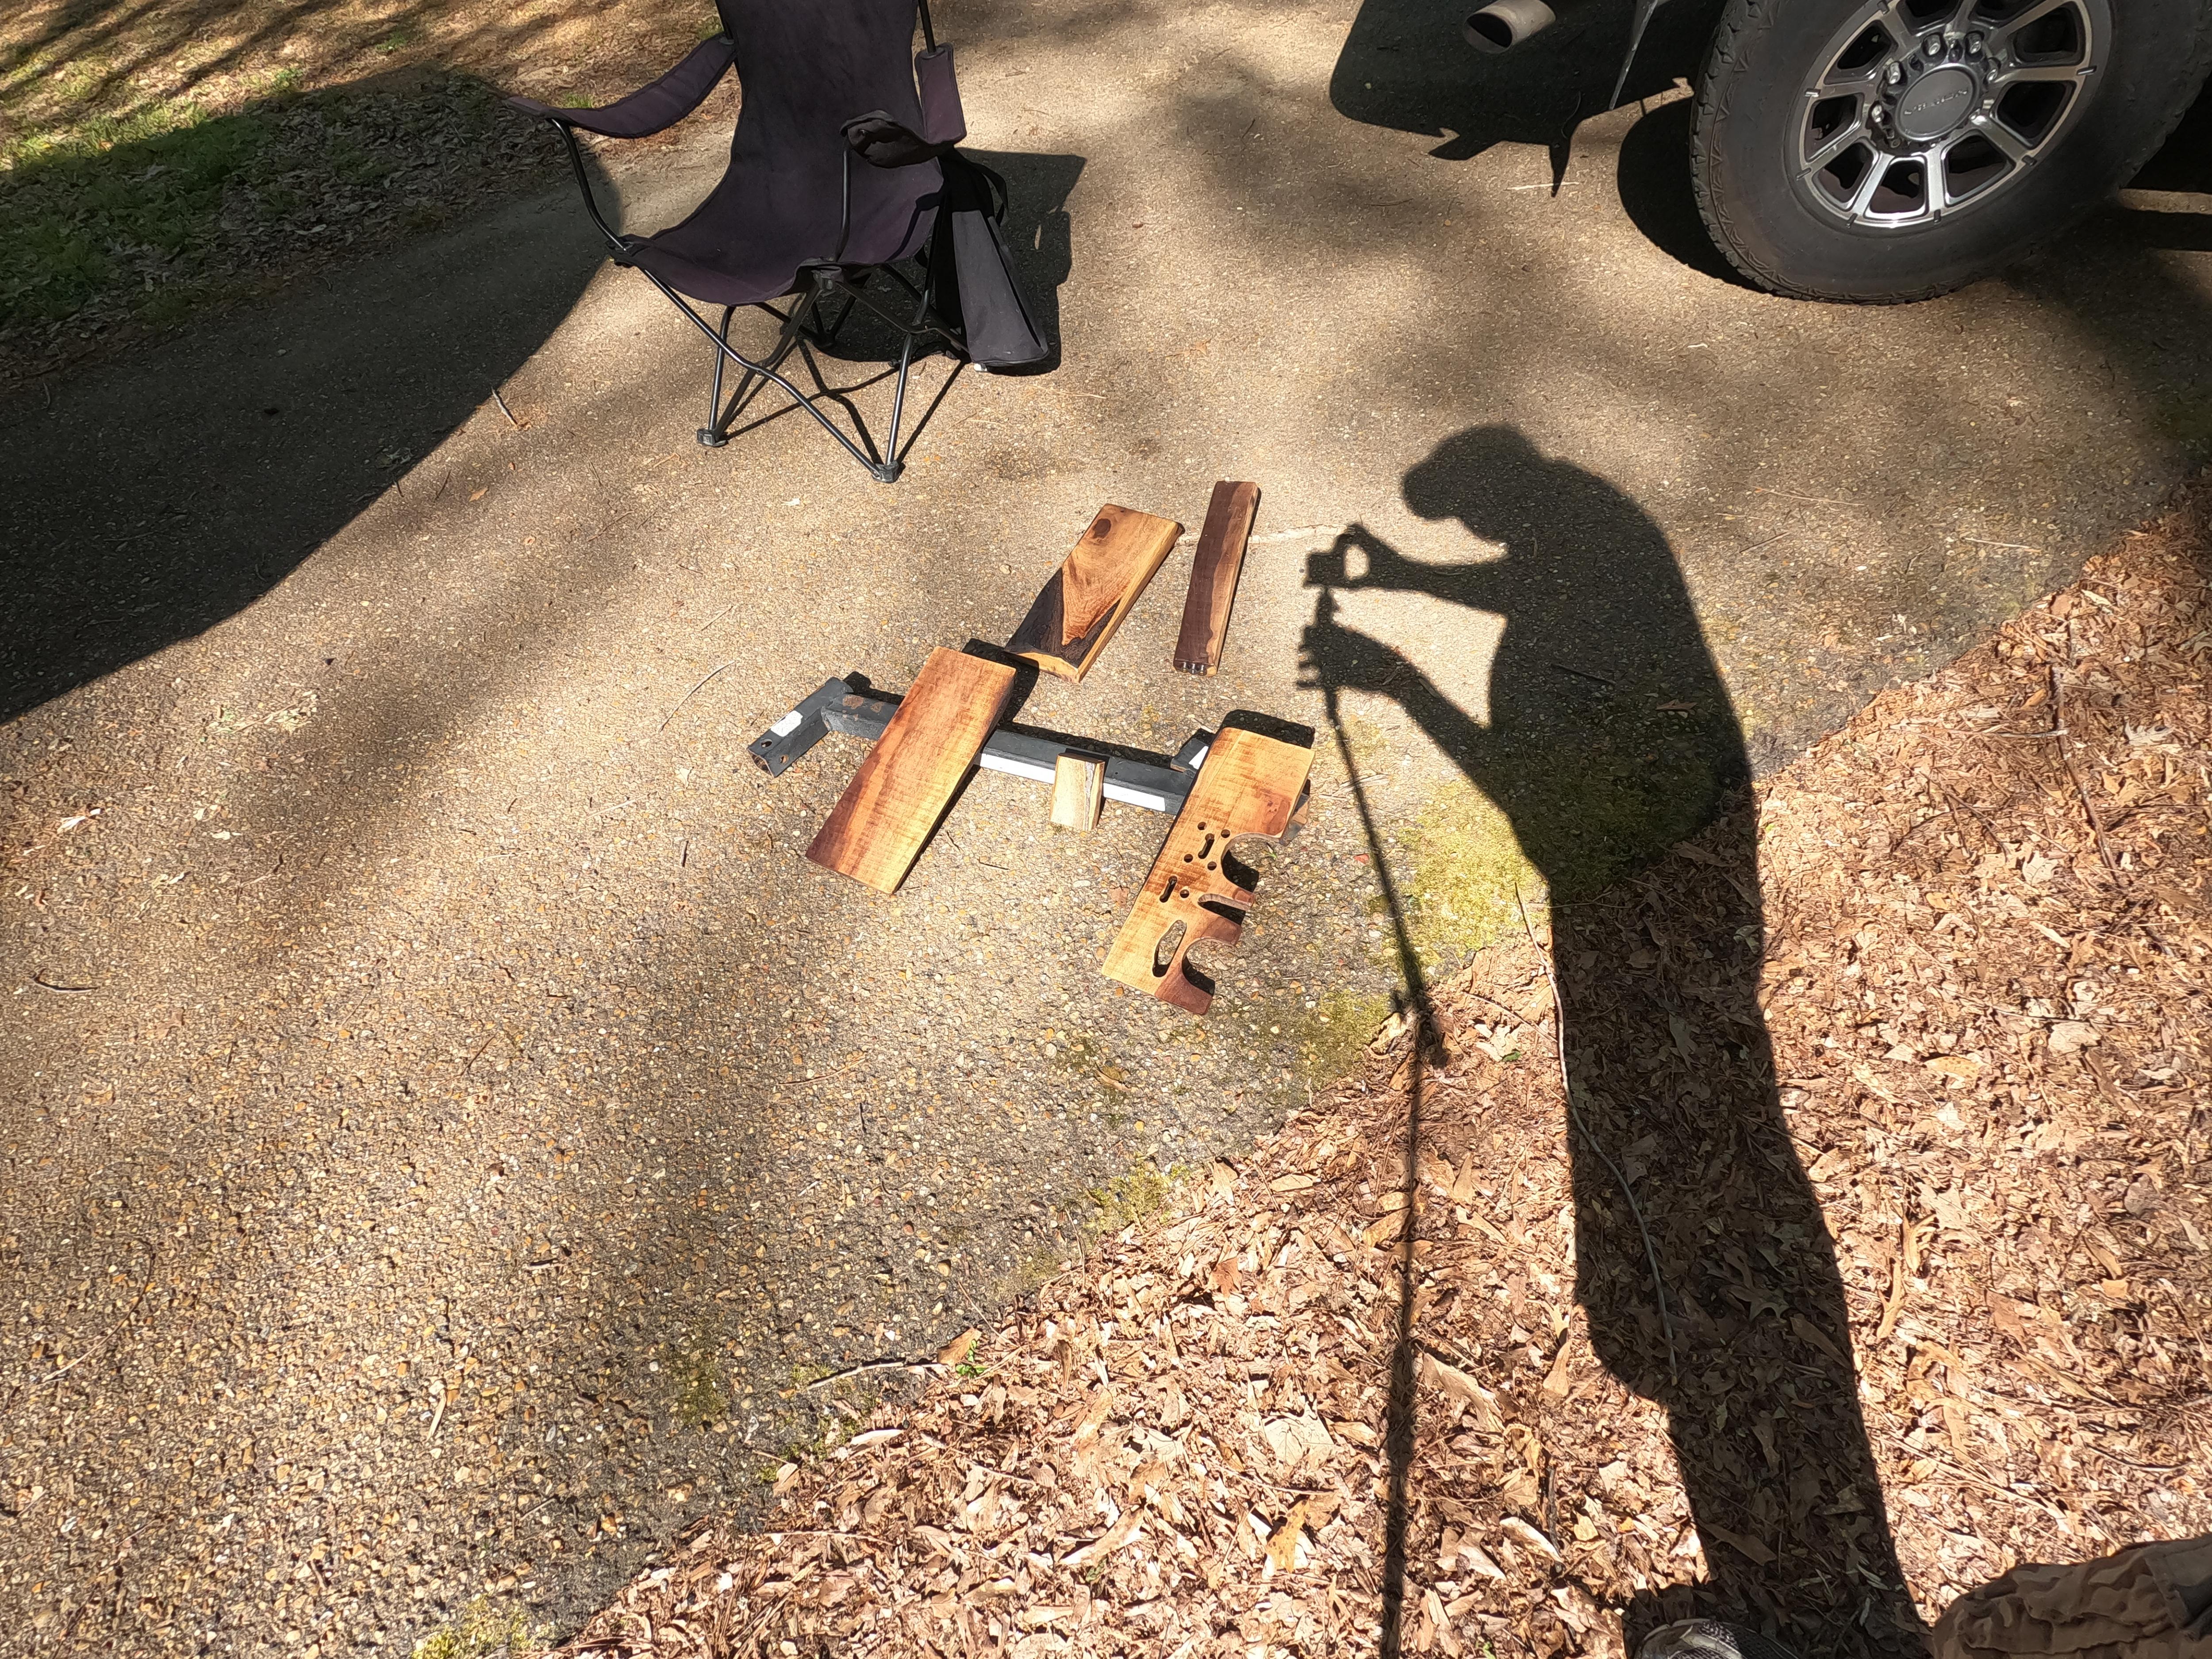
{"x": 882, "y": 141}
{"x": 651, "y": 109}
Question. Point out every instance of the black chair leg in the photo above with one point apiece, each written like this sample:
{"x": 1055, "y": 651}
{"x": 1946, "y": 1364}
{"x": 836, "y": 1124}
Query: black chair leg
{"x": 885, "y": 469}
{"x": 722, "y": 416}
{"x": 716, "y": 432}
{"x": 898, "y": 396}
{"x": 827, "y": 337}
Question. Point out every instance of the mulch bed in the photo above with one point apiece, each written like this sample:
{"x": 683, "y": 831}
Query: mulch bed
{"x": 1904, "y": 1065}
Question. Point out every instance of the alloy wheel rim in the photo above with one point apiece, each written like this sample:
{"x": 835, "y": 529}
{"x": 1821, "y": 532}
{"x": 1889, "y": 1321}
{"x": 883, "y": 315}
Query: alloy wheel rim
{"x": 1918, "y": 110}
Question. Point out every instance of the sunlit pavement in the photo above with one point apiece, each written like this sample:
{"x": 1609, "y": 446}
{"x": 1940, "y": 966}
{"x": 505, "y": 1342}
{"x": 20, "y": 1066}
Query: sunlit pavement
{"x": 450, "y": 1120}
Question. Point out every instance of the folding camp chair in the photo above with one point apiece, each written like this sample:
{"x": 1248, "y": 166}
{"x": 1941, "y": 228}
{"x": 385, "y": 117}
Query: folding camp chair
{"x": 825, "y": 83}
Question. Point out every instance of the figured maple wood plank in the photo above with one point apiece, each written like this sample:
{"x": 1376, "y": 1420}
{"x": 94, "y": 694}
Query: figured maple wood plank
{"x": 1213, "y": 576}
{"x": 1249, "y": 785}
{"x": 1079, "y": 611}
{"x": 1079, "y": 791}
{"x": 910, "y": 776}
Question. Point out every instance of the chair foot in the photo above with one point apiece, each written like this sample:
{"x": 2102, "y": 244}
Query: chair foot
{"x": 887, "y": 471}
{"x": 712, "y": 439}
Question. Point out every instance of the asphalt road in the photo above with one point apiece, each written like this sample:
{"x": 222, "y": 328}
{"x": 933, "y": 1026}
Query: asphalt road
{"x": 450, "y": 1121}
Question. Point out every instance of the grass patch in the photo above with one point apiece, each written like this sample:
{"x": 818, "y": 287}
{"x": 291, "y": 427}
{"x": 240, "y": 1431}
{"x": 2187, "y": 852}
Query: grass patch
{"x": 482, "y": 1632}
{"x": 698, "y": 1394}
{"x": 1464, "y": 865}
{"x": 1121, "y": 1202}
{"x": 1328, "y": 1037}
{"x": 2188, "y": 421}
{"x": 1128, "y": 1199}
{"x": 146, "y": 215}
{"x": 87, "y": 218}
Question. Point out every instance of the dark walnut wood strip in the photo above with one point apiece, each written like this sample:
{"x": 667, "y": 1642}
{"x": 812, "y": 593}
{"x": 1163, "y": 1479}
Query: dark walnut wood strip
{"x": 1079, "y": 611}
{"x": 1198, "y": 889}
{"x": 1213, "y": 576}
{"x": 911, "y": 775}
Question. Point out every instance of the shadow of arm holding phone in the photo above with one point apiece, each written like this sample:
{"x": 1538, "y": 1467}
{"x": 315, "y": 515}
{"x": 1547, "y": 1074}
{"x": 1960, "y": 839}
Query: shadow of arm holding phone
{"x": 1610, "y": 738}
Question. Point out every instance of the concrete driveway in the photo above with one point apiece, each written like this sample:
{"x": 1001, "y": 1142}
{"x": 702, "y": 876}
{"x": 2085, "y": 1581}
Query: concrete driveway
{"x": 451, "y": 1122}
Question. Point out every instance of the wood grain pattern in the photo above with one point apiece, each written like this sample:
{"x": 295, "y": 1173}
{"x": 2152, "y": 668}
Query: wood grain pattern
{"x": 1079, "y": 791}
{"x": 1079, "y": 609}
{"x": 1198, "y": 889}
{"x": 1091, "y": 583}
{"x": 1213, "y": 576}
{"x": 910, "y": 776}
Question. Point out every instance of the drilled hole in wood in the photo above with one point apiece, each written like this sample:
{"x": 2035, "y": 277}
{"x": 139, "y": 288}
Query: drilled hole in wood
{"x": 1164, "y": 953}
{"x": 1246, "y": 858}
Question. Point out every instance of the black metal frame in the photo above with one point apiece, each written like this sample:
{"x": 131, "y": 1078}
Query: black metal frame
{"x": 817, "y": 280}
{"x": 850, "y": 705}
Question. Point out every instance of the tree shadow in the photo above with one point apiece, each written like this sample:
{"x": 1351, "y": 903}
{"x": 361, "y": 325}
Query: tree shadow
{"x": 101, "y": 68}
{"x": 1610, "y": 737}
{"x": 165, "y": 491}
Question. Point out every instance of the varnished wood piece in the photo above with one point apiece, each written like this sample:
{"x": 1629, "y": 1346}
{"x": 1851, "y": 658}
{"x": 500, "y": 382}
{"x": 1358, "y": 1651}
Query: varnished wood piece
{"x": 1079, "y": 791}
{"x": 1079, "y": 609}
{"x": 1213, "y": 576}
{"x": 1249, "y": 785}
{"x": 910, "y": 776}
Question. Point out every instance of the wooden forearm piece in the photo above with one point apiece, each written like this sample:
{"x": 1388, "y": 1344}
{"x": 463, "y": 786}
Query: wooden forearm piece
{"x": 1214, "y": 575}
{"x": 1078, "y": 611}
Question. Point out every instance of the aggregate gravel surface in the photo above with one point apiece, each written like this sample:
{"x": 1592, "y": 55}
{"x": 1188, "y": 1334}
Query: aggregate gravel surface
{"x": 452, "y": 1124}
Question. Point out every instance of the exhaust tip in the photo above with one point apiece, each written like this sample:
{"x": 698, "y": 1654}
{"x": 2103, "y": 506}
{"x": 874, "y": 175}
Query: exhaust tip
{"x": 1504, "y": 24}
{"x": 1488, "y": 32}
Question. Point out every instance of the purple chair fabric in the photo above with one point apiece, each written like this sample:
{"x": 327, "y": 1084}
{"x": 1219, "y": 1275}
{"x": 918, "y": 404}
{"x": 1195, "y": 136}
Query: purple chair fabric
{"x": 808, "y": 67}
{"x": 806, "y": 70}
{"x": 843, "y": 161}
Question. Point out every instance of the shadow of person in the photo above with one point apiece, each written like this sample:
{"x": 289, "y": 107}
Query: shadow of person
{"x": 1610, "y": 737}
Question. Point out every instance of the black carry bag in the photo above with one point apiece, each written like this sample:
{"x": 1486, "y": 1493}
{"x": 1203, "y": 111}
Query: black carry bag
{"x": 972, "y": 269}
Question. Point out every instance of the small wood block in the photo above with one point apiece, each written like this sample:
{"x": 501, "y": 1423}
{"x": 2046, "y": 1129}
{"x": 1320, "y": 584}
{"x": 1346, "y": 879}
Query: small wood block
{"x": 1079, "y": 611}
{"x": 1249, "y": 785}
{"x": 880, "y": 823}
{"x": 1213, "y": 576}
{"x": 1079, "y": 791}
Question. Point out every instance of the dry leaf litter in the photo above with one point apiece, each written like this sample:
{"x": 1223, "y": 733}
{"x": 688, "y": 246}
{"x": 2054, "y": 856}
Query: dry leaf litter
{"x": 170, "y": 159}
{"x": 1905, "y": 1065}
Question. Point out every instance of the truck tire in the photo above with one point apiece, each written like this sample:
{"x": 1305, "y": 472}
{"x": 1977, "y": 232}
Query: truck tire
{"x": 1878, "y": 151}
